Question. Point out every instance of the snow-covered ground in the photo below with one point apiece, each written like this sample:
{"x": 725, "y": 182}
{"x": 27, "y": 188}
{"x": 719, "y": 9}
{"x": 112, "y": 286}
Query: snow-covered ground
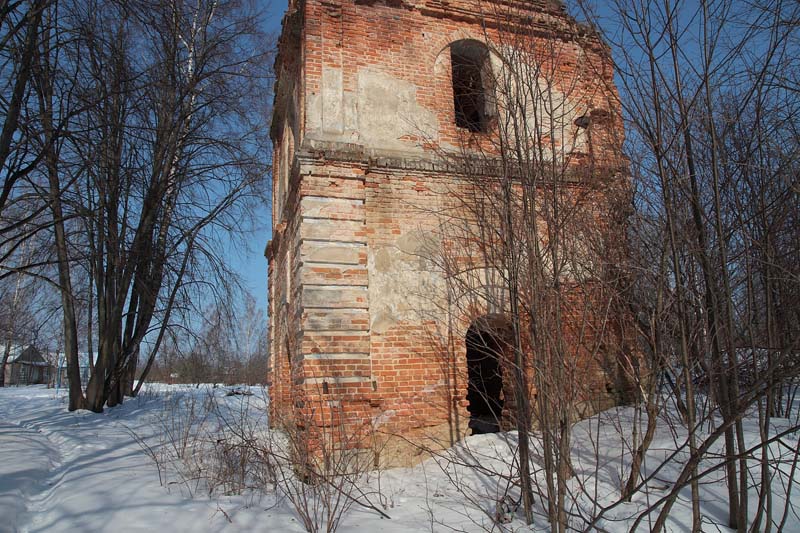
{"x": 85, "y": 472}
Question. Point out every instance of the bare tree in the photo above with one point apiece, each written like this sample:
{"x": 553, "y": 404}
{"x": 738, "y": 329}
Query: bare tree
{"x": 25, "y": 320}
{"x": 165, "y": 153}
{"x": 20, "y": 26}
{"x": 695, "y": 78}
{"x": 675, "y": 301}
{"x": 530, "y": 236}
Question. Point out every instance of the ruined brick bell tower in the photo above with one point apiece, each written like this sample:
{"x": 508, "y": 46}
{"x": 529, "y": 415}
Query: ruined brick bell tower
{"x": 366, "y": 104}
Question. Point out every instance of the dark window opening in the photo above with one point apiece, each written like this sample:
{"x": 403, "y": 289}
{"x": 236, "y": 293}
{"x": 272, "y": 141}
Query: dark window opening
{"x": 469, "y": 60}
{"x": 485, "y": 387}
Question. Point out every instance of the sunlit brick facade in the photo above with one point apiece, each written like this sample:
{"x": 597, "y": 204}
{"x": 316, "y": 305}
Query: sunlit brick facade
{"x": 362, "y": 336}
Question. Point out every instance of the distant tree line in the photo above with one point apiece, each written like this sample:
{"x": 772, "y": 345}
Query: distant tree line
{"x": 231, "y": 348}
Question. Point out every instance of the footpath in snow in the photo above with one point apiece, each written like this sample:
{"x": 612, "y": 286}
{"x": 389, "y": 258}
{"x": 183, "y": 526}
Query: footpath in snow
{"x": 26, "y": 460}
{"x": 87, "y": 473}
{"x": 84, "y": 472}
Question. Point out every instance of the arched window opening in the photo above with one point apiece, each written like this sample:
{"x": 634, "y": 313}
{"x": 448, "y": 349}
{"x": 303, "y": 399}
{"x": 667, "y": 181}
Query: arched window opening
{"x": 472, "y": 82}
{"x": 485, "y": 379}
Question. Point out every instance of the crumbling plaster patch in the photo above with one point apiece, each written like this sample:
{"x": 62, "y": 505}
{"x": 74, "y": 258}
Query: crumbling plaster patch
{"x": 404, "y": 284}
{"x": 383, "y": 112}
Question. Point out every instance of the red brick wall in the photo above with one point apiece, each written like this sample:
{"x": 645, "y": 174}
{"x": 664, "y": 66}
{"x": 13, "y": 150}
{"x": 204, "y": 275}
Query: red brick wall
{"x": 344, "y": 204}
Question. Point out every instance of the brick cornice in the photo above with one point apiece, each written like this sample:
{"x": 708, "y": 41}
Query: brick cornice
{"x": 432, "y": 164}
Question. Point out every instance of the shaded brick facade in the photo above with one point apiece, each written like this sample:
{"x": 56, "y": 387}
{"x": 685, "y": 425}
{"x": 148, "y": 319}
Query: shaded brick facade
{"x": 362, "y": 337}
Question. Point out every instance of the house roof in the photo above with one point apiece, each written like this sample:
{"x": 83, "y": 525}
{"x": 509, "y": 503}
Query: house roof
{"x": 14, "y": 352}
{"x": 22, "y": 354}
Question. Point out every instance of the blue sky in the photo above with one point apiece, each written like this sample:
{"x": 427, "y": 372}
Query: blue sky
{"x": 249, "y": 260}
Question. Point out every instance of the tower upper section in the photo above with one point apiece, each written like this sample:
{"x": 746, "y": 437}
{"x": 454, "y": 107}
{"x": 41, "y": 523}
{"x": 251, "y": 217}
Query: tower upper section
{"x": 414, "y": 76}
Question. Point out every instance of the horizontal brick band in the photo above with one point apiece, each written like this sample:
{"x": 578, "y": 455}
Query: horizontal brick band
{"x": 337, "y": 356}
{"x": 337, "y": 380}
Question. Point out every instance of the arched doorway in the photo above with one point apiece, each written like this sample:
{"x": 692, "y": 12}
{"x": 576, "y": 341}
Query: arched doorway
{"x": 485, "y": 376}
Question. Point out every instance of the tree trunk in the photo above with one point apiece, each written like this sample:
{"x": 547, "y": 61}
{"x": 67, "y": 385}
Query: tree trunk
{"x": 6, "y": 354}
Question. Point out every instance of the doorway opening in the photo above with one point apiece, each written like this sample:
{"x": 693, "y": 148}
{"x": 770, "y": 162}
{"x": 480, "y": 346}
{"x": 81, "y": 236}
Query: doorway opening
{"x": 485, "y": 378}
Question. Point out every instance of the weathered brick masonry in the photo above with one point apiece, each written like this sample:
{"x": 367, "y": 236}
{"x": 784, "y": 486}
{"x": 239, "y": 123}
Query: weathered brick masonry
{"x": 361, "y": 334}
